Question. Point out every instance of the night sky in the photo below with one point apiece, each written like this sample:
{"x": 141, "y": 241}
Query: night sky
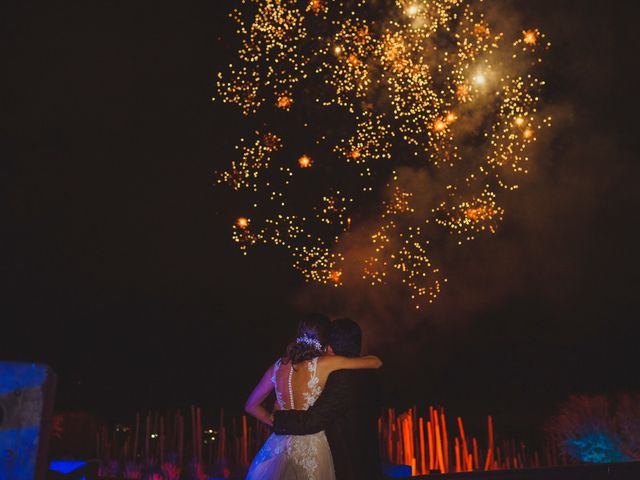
{"x": 119, "y": 271}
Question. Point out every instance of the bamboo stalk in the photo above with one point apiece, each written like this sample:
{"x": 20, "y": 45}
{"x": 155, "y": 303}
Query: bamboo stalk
{"x": 464, "y": 450}
{"x": 162, "y": 434}
{"x": 147, "y": 437}
{"x": 155, "y": 428}
{"x": 193, "y": 432}
{"x": 423, "y": 464}
{"x": 445, "y": 439}
{"x": 411, "y": 437}
{"x": 476, "y": 458}
{"x": 245, "y": 453}
{"x": 135, "y": 441}
{"x": 431, "y": 455}
{"x": 487, "y": 463}
{"x": 199, "y": 432}
{"x": 181, "y": 439}
{"x": 491, "y": 440}
{"x": 405, "y": 442}
{"x": 390, "y": 435}
{"x": 439, "y": 449}
{"x": 401, "y": 446}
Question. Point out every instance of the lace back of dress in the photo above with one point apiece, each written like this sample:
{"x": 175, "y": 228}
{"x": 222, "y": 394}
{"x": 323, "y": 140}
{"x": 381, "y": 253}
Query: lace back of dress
{"x": 313, "y": 385}
{"x": 289, "y": 386}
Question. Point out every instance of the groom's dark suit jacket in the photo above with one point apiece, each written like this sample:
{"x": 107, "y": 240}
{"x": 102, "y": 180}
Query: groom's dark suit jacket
{"x": 347, "y": 410}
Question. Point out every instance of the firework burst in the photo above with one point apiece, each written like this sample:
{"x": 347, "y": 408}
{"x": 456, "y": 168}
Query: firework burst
{"x": 412, "y": 86}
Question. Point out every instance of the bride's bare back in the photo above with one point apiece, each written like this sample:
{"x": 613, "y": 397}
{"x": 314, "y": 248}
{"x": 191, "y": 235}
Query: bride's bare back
{"x": 297, "y": 387}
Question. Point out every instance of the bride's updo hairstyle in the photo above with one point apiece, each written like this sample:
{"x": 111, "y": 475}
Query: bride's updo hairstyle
{"x": 313, "y": 331}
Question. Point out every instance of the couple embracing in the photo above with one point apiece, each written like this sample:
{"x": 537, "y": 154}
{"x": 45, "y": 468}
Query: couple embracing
{"x": 326, "y": 409}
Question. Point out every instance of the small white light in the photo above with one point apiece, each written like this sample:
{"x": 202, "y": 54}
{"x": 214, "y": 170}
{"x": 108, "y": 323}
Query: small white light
{"x": 480, "y": 79}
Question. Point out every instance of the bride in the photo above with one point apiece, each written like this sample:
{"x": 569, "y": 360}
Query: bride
{"x": 298, "y": 379}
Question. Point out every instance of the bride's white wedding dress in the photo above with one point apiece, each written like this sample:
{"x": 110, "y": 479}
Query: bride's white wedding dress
{"x": 295, "y": 457}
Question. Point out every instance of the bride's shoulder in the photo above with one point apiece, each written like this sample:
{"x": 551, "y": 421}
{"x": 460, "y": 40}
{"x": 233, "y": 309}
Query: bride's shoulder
{"x": 278, "y": 363}
{"x": 324, "y": 359}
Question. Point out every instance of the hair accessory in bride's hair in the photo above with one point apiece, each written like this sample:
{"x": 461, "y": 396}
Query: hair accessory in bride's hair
{"x": 312, "y": 342}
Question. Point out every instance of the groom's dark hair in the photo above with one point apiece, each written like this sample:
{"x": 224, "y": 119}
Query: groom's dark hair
{"x": 345, "y": 337}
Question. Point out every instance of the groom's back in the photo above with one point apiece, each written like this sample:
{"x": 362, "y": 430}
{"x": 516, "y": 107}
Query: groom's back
{"x": 353, "y": 436}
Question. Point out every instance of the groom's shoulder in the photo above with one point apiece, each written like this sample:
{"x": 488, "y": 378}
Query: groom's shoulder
{"x": 360, "y": 386}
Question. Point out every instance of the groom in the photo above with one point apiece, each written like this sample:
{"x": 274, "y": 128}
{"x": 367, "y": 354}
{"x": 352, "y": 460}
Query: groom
{"x": 347, "y": 410}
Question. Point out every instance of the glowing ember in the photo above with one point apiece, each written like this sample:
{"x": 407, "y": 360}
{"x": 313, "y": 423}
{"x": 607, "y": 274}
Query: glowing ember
{"x": 463, "y": 92}
{"x": 480, "y": 79}
{"x": 412, "y": 10}
{"x": 530, "y": 37}
{"x": 353, "y": 60}
{"x": 318, "y": 6}
{"x": 480, "y": 213}
{"x": 284, "y": 102}
{"x": 305, "y": 161}
{"x": 242, "y": 222}
{"x": 481, "y": 29}
{"x": 439, "y": 126}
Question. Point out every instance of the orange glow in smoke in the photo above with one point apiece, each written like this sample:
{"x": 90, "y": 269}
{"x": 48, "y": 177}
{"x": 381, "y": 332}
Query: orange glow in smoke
{"x": 530, "y": 37}
{"x": 481, "y": 29}
{"x": 439, "y": 126}
{"x": 463, "y": 92}
{"x": 363, "y": 32}
{"x": 284, "y": 102}
{"x": 354, "y": 60}
{"x": 305, "y": 161}
{"x": 479, "y": 213}
{"x": 528, "y": 133}
{"x": 317, "y": 6}
{"x": 335, "y": 276}
{"x": 242, "y": 222}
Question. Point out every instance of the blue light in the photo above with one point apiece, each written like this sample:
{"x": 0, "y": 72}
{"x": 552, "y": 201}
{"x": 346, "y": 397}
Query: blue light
{"x": 14, "y": 376}
{"x": 596, "y": 447}
{"x": 23, "y": 441}
{"x": 66, "y": 466}
{"x": 397, "y": 471}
